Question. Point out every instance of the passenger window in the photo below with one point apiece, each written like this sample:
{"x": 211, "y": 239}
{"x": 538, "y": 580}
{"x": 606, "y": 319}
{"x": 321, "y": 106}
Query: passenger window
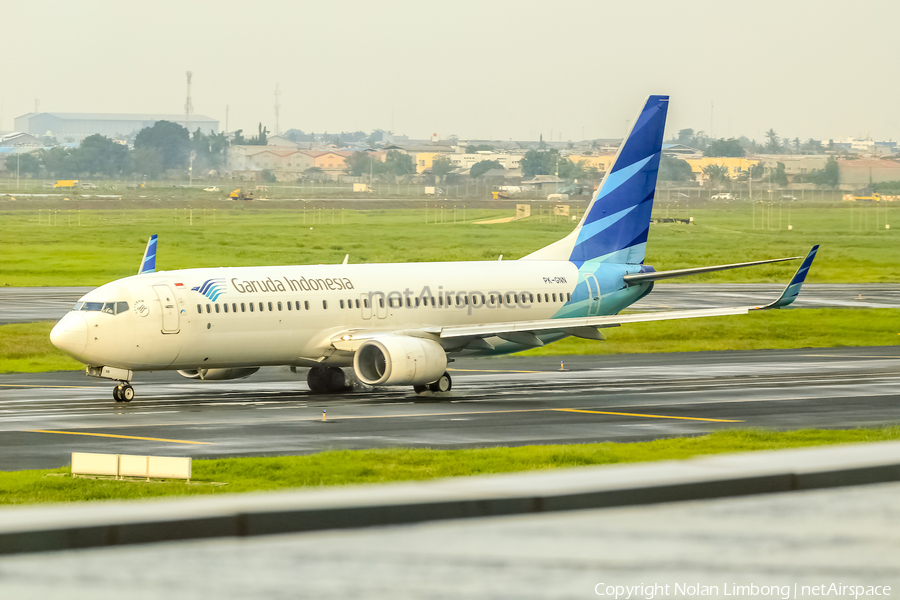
{"x": 568, "y": 297}
{"x": 290, "y": 307}
{"x": 261, "y": 308}
{"x": 509, "y": 298}
{"x": 208, "y": 309}
{"x": 233, "y": 307}
{"x": 306, "y": 304}
{"x": 297, "y": 304}
{"x": 217, "y": 307}
{"x": 546, "y": 297}
{"x": 539, "y": 297}
{"x": 199, "y": 310}
{"x": 325, "y": 304}
{"x": 279, "y": 306}
{"x": 441, "y": 300}
{"x": 251, "y": 307}
{"x": 225, "y": 306}
{"x": 432, "y": 301}
{"x": 243, "y": 307}
{"x": 357, "y": 303}
{"x": 270, "y": 307}
{"x": 342, "y": 304}
{"x": 366, "y": 302}
{"x": 554, "y": 297}
{"x": 381, "y": 302}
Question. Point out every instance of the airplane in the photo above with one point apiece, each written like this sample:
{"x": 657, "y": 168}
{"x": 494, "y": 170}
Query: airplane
{"x": 394, "y": 324}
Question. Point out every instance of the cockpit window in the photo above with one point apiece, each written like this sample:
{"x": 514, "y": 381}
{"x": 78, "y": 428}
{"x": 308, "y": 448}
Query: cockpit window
{"x": 111, "y": 308}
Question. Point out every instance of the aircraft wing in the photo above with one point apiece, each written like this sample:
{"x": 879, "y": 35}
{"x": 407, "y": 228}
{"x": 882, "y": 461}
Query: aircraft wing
{"x": 524, "y": 332}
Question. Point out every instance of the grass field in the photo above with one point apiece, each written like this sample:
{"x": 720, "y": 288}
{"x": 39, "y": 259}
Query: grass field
{"x": 26, "y": 347}
{"x": 108, "y": 244}
{"x": 381, "y": 466}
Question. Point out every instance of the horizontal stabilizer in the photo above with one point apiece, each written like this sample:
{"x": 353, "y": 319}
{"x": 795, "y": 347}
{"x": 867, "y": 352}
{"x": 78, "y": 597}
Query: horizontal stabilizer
{"x": 636, "y": 278}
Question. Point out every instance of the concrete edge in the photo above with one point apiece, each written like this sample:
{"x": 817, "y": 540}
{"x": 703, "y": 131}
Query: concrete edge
{"x": 244, "y": 522}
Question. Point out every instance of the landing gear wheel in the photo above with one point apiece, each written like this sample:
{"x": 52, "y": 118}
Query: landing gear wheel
{"x": 326, "y": 380}
{"x": 127, "y": 393}
{"x": 117, "y": 393}
{"x": 443, "y": 384}
{"x": 420, "y": 389}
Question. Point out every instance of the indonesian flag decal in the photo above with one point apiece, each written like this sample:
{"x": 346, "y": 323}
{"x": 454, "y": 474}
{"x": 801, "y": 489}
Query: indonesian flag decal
{"x": 179, "y": 285}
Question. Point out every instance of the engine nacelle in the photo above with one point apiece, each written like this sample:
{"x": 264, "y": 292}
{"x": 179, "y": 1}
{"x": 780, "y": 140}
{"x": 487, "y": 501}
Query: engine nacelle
{"x": 219, "y": 374}
{"x": 399, "y": 360}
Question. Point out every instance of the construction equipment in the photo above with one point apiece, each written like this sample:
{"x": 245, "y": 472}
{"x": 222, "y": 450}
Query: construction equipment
{"x": 239, "y": 194}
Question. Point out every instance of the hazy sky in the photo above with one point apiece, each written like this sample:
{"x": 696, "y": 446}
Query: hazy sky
{"x": 478, "y": 69}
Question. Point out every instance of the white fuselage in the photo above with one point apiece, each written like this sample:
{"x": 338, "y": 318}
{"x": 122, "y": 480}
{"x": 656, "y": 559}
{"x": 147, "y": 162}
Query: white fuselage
{"x": 288, "y": 315}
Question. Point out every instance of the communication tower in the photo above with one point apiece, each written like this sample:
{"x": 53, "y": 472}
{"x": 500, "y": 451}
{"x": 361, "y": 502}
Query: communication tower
{"x": 188, "y": 105}
{"x": 277, "y": 108}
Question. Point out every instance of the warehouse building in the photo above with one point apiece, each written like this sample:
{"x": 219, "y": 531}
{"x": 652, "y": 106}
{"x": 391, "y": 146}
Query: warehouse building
{"x": 77, "y": 126}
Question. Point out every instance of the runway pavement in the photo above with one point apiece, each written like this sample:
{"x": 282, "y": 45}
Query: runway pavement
{"x": 22, "y": 305}
{"x": 506, "y": 401}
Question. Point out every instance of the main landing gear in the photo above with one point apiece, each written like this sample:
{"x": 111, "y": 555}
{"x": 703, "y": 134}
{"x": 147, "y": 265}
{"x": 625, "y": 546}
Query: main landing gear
{"x": 326, "y": 380}
{"x": 123, "y": 392}
{"x": 441, "y": 385}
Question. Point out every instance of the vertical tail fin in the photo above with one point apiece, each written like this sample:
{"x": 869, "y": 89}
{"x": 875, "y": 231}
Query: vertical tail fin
{"x": 615, "y": 225}
{"x": 148, "y": 263}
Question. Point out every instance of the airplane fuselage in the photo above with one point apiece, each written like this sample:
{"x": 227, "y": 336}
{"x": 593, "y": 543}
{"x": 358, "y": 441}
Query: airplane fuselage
{"x": 288, "y": 315}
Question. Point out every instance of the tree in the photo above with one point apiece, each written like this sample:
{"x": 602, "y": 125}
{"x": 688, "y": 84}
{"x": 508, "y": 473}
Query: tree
{"x": 398, "y": 163}
{"x": 99, "y": 154}
{"x": 812, "y": 146}
{"x": 56, "y": 161}
{"x": 147, "y": 161}
{"x": 23, "y": 164}
{"x": 536, "y": 162}
{"x": 238, "y": 139}
{"x": 773, "y": 143}
{"x": 170, "y": 140}
{"x": 441, "y": 166}
{"x": 261, "y": 138}
{"x": 797, "y": 145}
{"x": 729, "y": 147}
{"x": 482, "y": 167}
{"x": 717, "y": 175}
{"x": 674, "y": 169}
{"x": 685, "y": 137}
{"x": 363, "y": 163}
{"x": 780, "y": 176}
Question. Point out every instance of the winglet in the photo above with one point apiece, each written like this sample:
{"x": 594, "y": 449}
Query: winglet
{"x": 792, "y": 290}
{"x": 148, "y": 263}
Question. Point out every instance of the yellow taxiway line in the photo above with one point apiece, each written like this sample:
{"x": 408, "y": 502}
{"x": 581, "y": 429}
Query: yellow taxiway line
{"x": 622, "y": 414}
{"x": 123, "y": 437}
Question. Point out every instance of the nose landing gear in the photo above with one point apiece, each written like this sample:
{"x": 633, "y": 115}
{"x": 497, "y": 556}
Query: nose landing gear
{"x": 123, "y": 392}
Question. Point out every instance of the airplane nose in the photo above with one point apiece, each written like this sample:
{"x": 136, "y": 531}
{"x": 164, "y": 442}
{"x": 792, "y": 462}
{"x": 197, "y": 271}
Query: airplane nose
{"x": 70, "y": 334}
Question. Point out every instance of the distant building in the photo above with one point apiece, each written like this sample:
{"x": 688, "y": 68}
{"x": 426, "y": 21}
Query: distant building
{"x": 81, "y": 125}
{"x": 861, "y": 172}
{"x": 17, "y": 139}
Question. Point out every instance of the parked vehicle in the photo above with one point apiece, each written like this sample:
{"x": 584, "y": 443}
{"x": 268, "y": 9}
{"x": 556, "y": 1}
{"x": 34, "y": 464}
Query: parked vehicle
{"x": 722, "y": 196}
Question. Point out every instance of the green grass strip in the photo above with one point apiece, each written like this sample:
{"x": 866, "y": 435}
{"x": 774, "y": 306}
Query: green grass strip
{"x": 344, "y": 467}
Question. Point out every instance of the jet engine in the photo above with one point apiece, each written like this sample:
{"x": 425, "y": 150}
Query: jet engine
{"x": 399, "y": 360}
{"x": 219, "y": 374}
